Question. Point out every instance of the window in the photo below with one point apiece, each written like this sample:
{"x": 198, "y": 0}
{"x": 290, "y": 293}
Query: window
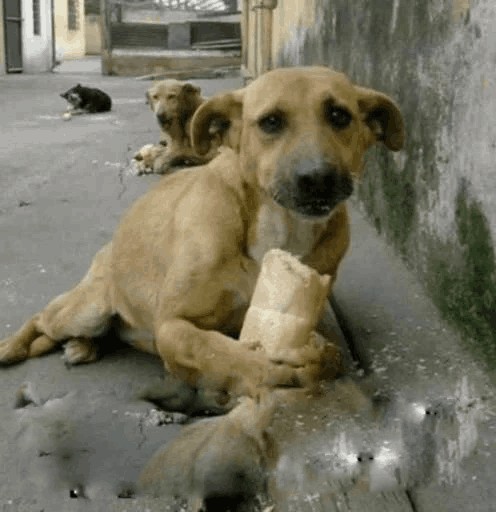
{"x": 36, "y": 18}
{"x": 73, "y": 14}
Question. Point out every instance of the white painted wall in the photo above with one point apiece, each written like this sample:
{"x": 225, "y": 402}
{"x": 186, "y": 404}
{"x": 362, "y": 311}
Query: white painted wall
{"x": 70, "y": 43}
{"x": 36, "y": 49}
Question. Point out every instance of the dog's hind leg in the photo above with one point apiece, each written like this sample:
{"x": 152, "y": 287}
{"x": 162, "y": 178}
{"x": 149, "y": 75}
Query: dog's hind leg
{"x": 81, "y": 314}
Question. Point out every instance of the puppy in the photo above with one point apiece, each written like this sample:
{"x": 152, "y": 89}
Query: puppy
{"x": 178, "y": 275}
{"x": 88, "y": 100}
{"x": 173, "y": 102}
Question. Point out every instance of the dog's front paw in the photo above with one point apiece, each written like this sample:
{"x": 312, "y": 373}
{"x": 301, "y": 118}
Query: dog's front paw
{"x": 12, "y": 352}
{"x": 305, "y": 366}
{"x": 80, "y": 351}
{"x": 141, "y": 168}
{"x": 148, "y": 158}
{"x": 327, "y": 367}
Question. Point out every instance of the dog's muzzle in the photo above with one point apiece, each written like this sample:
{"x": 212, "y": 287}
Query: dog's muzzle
{"x": 314, "y": 189}
{"x": 163, "y": 119}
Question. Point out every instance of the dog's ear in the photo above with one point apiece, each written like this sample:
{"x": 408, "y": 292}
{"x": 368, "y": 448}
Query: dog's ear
{"x": 190, "y": 88}
{"x": 383, "y": 117}
{"x": 218, "y": 120}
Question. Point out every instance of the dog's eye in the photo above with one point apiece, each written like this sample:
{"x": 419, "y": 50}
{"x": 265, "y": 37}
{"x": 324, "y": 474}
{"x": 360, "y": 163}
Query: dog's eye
{"x": 171, "y": 96}
{"x": 155, "y": 96}
{"x": 338, "y": 117}
{"x": 272, "y": 124}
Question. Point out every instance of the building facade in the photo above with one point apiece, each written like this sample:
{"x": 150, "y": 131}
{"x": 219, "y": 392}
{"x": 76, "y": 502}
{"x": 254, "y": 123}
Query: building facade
{"x": 37, "y": 36}
{"x": 69, "y": 28}
{"x": 26, "y": 36}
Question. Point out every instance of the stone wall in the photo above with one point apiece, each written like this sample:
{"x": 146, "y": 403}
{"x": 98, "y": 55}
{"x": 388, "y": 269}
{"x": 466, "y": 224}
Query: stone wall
{"x": 435, "y": 201}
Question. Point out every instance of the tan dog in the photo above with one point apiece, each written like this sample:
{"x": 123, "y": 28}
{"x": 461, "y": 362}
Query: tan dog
{"x": 178, "y": 275}
{"x": 173, "y": 102}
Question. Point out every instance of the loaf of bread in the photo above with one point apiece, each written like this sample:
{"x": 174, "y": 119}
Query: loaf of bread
{"x": 286, "y": 304}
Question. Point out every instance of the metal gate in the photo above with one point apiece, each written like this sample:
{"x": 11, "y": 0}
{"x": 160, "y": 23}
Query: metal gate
{"x": 12, "y": 16}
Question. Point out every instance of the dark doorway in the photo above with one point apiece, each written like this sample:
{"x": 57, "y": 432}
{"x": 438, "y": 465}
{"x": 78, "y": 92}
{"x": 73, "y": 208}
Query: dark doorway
{"x": 12, "y": 16}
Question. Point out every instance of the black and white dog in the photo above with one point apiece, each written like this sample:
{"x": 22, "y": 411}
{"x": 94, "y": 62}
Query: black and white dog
{"x": 87, "y": 100}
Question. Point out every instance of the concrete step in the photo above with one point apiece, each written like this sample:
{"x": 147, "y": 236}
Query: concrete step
{"x": 129, "y": 62}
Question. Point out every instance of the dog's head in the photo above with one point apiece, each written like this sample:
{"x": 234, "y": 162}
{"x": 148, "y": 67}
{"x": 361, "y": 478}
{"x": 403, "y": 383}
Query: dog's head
{"x": 172, "y": 100}
{"x": 302, "y": 132}
{"x": 73, "y": 95}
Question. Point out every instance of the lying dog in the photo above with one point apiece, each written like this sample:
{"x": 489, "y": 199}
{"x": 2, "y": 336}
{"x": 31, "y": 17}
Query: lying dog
{"x": 177, "y": 277}
{"x": 173, "y": 102}
{"x": 87, "y": 100}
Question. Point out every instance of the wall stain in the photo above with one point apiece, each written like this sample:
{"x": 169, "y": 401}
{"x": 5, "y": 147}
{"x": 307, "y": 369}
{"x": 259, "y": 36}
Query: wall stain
{"x": 463, "y": 285}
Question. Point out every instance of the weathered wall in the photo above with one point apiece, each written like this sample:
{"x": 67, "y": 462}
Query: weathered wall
{"x": 251, "y": 51}
{"x": 138, "y": 63}
{"x": 2, "y": 47}
{"x": 436, "y": 201}
{"x": 92, "y": 34}
{"x": 69, "y": 43}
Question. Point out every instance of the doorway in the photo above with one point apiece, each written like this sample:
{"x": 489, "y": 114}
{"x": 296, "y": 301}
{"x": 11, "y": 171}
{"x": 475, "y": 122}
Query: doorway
{"x": 12, "y": 16}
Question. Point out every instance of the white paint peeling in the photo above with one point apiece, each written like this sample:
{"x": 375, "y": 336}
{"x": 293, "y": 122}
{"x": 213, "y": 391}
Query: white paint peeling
{"x": 394, "y": 17}
{"x": 292, "y": 50}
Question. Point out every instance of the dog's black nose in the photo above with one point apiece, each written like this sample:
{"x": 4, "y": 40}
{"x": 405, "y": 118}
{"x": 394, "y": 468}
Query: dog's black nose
{"x": 162, "y": 118}
{"x": 317, "y": 180}
{"x": 319, "y": 187}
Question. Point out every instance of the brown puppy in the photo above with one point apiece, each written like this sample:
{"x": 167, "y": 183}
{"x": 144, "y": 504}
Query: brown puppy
{"x": 177, "y": 277}
{"x": 173, "y": 102}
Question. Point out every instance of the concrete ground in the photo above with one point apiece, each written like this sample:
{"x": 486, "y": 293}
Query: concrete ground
{"x": 86, "y": 435}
